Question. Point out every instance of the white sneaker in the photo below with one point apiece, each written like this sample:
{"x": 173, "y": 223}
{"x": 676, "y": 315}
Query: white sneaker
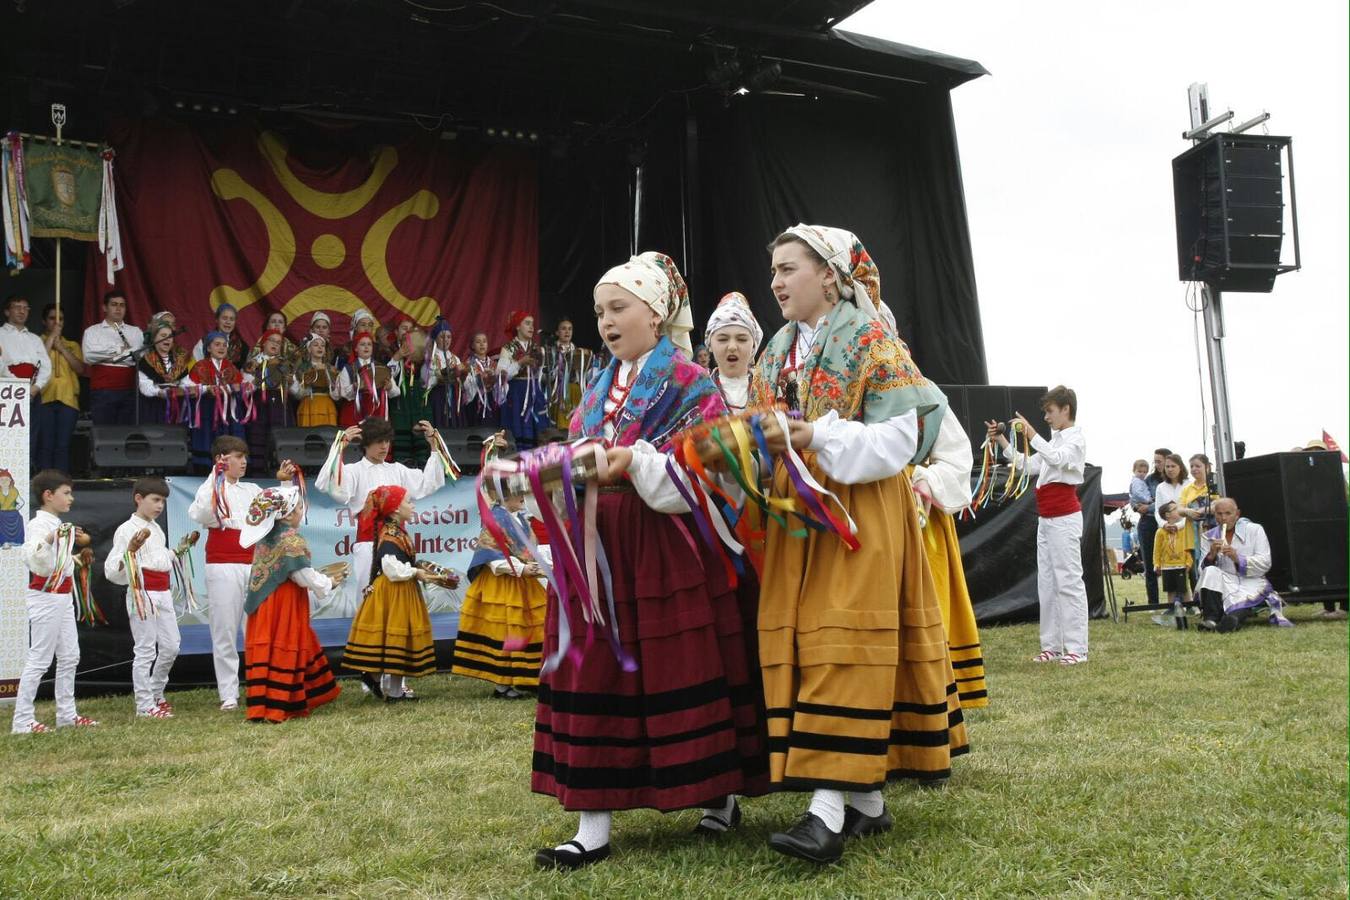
{"x": 229, "y": 706}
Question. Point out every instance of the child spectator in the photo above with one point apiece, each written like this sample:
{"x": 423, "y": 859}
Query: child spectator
{"x": 1172, "y": 558}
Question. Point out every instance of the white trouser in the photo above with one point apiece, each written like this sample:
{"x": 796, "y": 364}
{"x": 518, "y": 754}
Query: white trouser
{"x": 226, "y": 588}
{"x": 51, "y": 631}
{"x": 156, "y": 647}
{"x": 1059, "y": 581}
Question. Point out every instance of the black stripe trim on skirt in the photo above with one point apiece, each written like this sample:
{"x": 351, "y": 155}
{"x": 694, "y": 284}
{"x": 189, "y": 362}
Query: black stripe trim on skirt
{"x": 637, "y": 706}
{"x": 826, "y": 784}
{"x": 524, "y": 668}
{"x": 970, "y": 679}
{"x": 293, "y": 687}
{"x": 629, "y": 778}
{"x": 968, "y": 663}
{"x": 309, "y": 667}
{"x": 574, "y": 740}
{"x": 427, "y": 657}
{"x": 845, "y": 712}
{"x": 831, "y": 743}
{"x": 469, "y": 637}
{"x": 386, "y": 648}
{"x": 964, "y": 647}
{"x": 922, "y": 709}
{"x": 973, "y": 695}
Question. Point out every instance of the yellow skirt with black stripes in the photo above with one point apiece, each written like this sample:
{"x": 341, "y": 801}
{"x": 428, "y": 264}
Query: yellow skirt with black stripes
{"x": 958, "y": 613}
{"x": 858, "y": 684}
{"x": 501, "y": 611}
{"x": 391, "y": 632}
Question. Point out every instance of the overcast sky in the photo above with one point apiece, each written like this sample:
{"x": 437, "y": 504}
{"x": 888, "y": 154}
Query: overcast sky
{"x": 1066, "y": 152}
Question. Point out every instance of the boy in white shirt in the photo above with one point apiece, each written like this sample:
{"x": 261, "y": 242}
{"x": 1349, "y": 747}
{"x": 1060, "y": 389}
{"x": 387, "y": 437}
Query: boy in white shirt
{"x": 51, "y": 614}
{"x": 154, "y": 627}
{"x": 1058, "y": 466}
{"x": 227, "y": 563}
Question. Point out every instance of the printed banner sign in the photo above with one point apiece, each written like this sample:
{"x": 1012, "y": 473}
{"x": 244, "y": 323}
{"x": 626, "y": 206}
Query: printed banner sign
{"x": 14, "y": 475}
{"x": 444, "y": 530}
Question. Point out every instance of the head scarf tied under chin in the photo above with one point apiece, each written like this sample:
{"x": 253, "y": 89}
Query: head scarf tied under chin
{"x": 859, "y": 279}
{"x": 655, "y": 280}
{"x": 381, "y": 504}
{"x": 734, "y": 309}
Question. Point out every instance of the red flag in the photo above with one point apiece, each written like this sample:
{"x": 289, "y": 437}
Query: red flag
{"x": 1332, "y": 445}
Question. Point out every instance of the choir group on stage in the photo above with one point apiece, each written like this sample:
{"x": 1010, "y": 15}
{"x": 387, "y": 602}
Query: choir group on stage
{"x": 820, "y": 669}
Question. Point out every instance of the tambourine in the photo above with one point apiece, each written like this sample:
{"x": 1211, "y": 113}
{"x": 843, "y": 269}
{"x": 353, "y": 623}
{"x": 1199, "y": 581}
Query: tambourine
{"x": 383, "y": 375}
{"x": 440, "y": 574}
{"x": 709, "y": 453}
{"x": 510, "y": 473}
{"x": 316, "y": 379}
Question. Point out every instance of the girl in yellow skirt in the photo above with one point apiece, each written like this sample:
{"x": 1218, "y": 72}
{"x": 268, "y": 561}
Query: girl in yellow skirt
{"x": 857, "y": 681}
{"x": 501, "y": 623}
{"x": 391, "y": 633}
{"x": 942, "y": 485}
{"x": 313, "y": 382}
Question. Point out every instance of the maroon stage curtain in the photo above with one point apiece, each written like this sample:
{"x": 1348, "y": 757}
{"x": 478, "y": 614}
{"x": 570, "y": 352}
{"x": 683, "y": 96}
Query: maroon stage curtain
{"x": 319, "y": 221}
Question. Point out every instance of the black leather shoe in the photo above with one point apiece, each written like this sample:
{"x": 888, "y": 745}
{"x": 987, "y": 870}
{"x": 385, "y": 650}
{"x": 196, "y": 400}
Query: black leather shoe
{"x": 373, "y": 683}
{"x": 857, "y": 825}
{"x": 555, "y": 858}
{"x": 704, "y": 830}
{"x": 1229, "y": 623}
{"x": 810, "y": 840}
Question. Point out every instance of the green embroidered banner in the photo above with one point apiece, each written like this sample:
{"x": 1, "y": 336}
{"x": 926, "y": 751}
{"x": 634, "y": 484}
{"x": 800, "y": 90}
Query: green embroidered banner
{"x": 65, "y": 187}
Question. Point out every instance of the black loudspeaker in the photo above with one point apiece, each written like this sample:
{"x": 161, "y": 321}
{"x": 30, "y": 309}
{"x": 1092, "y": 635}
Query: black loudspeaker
{"x": 140, "y": 447}
{"x": 1230, "y": 211}
{"x": 1027, "y": 401}
{"x": 466, "y": 445}
{"x": 308, "y": 447}
{"x": 1299, "y": 498}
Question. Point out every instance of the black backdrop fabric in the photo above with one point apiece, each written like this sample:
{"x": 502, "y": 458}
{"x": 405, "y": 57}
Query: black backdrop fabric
{"x": 719, "y": 182}
{"x": 998, "y": 550}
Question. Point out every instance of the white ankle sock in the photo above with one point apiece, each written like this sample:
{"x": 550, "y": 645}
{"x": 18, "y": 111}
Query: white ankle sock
{"x": 718, "y": 818}
{"x": 869, "y": 804}
{"x": 391, "y": 686}
{"x": 593, "y": 832}
{"x": 828, "y": 806}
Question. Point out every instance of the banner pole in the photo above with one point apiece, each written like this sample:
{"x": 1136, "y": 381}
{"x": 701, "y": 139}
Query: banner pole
{"x": 59, "y": 120}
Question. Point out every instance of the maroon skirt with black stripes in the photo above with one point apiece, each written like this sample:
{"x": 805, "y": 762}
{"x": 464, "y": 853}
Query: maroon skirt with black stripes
{"x": 687, "y": 728}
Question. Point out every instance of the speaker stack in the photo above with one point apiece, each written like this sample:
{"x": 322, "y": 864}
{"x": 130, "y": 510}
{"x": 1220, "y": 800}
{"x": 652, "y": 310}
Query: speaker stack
{"x": 1230, "y": 211}
{"x": 1299, "y": 499}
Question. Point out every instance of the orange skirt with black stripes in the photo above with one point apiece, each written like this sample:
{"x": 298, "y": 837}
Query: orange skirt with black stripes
{"x": 286, "y": 673}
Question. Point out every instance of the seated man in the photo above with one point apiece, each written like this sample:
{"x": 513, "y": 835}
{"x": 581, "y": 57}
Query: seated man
{"x": 1234, "y": 560}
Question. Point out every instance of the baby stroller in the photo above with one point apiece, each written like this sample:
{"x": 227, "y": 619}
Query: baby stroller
{"x": 1133, "y": 565}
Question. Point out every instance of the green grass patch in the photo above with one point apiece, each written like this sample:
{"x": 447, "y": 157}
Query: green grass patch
{"x": 1173, "y": 764}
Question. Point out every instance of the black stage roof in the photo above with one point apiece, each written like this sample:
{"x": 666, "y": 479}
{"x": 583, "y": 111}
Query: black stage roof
{"x": 567, "y": 69}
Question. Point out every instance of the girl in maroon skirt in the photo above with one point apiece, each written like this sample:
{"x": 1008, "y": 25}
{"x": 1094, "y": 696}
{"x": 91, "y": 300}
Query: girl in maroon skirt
{"x": 685, "y": 729}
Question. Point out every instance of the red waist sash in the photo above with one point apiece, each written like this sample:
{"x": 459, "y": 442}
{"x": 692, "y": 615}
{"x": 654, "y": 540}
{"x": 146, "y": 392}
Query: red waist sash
{"x": 1057, "y": 499}
{"x": 22, "y": 370}
{"x": 111, "y": 378}
{"x": 39, "y": 583}
{"x": 155, "y": 581}
{"x": 222, "y": 546}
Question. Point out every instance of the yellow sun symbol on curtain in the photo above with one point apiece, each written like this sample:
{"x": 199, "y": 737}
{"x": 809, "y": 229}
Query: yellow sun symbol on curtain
{"x": 327, "y": 250}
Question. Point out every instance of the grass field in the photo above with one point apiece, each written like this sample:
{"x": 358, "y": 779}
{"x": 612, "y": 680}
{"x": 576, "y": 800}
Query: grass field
{"x": 1173, "y": 764}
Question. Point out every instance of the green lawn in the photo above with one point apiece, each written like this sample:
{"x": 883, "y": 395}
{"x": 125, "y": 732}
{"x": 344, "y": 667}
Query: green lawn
{"x": 1174, "y": 764}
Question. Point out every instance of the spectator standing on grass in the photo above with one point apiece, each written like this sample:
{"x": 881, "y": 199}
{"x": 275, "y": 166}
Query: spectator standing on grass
{"x": 1148, "y": 524}
{"x": 1195, "y": 502}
